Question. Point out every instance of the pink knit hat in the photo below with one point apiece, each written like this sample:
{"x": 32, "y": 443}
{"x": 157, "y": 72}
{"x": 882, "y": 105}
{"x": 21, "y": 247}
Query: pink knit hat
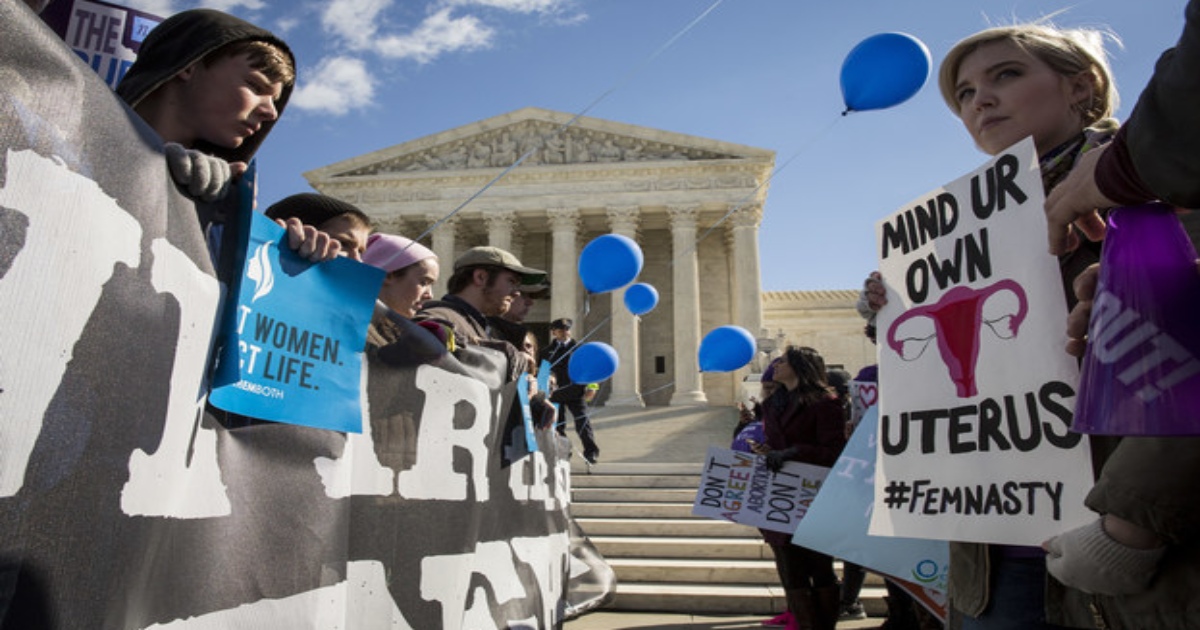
{"x": 391, "y": 253}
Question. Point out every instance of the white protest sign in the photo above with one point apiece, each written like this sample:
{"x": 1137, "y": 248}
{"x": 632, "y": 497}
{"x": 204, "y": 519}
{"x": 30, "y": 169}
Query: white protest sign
{"x": 738, "y": 487}
{"x": 976, "y": 394}
{"x": 863, "y": 396}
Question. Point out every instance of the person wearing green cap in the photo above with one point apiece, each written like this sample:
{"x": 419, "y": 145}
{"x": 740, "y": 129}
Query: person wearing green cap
{"x": 485, "y": 282}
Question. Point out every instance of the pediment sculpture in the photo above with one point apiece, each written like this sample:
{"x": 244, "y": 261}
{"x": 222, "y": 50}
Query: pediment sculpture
{"x": 502, "y": 147}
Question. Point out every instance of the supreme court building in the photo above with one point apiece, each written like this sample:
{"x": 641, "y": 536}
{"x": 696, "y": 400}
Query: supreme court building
{"x": 665, "y": 190}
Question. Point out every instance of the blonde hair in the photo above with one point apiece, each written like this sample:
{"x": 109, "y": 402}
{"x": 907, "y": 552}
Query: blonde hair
{"x": 1068, "y": 52}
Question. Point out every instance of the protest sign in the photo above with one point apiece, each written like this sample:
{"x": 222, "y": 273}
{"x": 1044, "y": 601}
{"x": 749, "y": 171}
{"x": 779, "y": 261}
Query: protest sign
{"x": 526, "y": 414}
{"x": 976, "y": 394}
{"x": 292, "y": 342}
{"x": 127, "y": 503}
{"x": 837, "y": 520}
{"x": 738, "y": 487}
{"x": 105, "y": 36}
{"x": 863, "y": 396}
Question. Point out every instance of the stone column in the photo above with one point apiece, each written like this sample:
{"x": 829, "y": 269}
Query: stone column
{"x": 686, "y": 292}
{"x": 517, "y": 244}
{"x": 391, "y": 225}
{"x": 443, "y": 246}
{"x": 500, "y": 225}
{"x": 747, "y": 278}
{"x": 564, "y": 296}
{"x": 623, "y": 220}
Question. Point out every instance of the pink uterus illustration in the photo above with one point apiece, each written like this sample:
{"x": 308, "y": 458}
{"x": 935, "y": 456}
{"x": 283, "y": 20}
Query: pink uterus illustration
{"x": 956, "y": 323}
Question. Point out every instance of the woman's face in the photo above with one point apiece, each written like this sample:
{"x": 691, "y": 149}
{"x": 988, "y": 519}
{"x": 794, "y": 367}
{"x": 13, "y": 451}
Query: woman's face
{"x": 1006, "y": 94}
{"x": 783, "y": 372}
{"x": 351, "y": 234}
{"x": 405, "y": 292}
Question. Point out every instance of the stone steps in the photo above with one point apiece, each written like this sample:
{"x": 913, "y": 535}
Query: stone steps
{"x": 681, "y": 547}
{"x": 721, "y": 598}
{"x": 634, "y": 495}
{"x": 703, "y": 571}
{"x": 667, "y": 560}
{"x": 634, "y": 481}
{"x": 691, "y": 527}
{"x": 624, "y": 509}
{"x": 694, "y": 571}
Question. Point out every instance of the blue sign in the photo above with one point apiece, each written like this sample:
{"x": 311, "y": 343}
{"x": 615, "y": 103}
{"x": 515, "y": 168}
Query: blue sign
{"x": 543, "y": 376}
{"x": 523, "y": 399}
{"x": 837, "y": 520}
{"x": 294, "y": 337}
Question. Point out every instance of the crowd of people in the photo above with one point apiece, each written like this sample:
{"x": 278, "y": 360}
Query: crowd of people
{"x": 212, "y": 86}
{"x": 1136, "y": 564}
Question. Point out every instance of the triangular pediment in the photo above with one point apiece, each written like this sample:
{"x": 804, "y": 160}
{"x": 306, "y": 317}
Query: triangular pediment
{"x": 496, "y": 143}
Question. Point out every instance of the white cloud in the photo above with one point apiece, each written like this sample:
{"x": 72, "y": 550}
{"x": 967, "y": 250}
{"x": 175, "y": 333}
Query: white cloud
{"x": 228, "y": 5}
{"x": 283, "y": 26}
{"x": 362, "y": 25}
{"x": 337, "y": 86}
{"x": 355, "y": 21}
{"x": 437, "y": 34}
{"x": 516, "y": 6}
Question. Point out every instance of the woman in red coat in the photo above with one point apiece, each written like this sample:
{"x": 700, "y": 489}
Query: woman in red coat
{"x": 803, "y": 421}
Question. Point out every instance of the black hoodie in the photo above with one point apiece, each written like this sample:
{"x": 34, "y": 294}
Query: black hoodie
{"x": 185, "y": 38}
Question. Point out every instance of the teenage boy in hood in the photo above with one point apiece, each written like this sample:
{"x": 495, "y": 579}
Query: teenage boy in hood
{"x": 212, "y": 82}
{"x": 212, "y": 86}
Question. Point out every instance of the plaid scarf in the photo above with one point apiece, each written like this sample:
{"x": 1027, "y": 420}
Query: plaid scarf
{"x": 1055, "y": 165}
{"x": 1058, "y": 162}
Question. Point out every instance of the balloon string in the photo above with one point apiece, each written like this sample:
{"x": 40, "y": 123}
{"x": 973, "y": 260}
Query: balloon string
{"x": 754, "y": 192}
{"x": 563, "y": 127}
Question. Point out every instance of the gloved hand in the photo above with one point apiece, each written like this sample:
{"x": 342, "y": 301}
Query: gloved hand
{"x": 871, "y": 298}
{"x": 206, "y": 177}
{"x": 775, "y": 459}
{"x": 1088, "y": 559}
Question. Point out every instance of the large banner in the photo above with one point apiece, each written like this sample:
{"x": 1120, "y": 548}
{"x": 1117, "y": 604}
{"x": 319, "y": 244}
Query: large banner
{"x": 976, "y": 396}
{"x": 127, "y": 502}
{"x": 738, "y": 487}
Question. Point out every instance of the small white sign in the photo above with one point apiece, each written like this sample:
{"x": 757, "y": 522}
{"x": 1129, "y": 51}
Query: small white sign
{"x": 737, "y": 486}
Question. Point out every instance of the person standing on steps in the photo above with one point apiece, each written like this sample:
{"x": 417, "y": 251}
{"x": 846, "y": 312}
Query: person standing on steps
{"x": 568, "y": 394}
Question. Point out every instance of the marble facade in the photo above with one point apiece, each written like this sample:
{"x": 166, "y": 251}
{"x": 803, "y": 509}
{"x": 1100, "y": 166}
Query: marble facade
{"x": 665, "y": 190}
{"x": 824, "y": 320}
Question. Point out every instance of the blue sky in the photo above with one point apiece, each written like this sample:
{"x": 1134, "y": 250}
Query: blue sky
{"x": 374, "y": 73}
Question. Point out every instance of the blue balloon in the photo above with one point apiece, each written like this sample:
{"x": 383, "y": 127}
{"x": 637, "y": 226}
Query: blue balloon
{"x": 641, "y": 298}
{"x": 726, "y": 349}
{"x": 884, "y": 70}
{"x": 592, "y": 362}
{"x": 609, "y": 262}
